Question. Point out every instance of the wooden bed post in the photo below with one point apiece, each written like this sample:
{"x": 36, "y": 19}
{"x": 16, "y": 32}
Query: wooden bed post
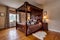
{"x": 26, "y": 16}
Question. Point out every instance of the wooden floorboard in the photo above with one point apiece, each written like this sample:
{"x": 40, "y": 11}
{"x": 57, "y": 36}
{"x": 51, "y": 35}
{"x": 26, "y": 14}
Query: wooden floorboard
{"x": 13, "y": 34}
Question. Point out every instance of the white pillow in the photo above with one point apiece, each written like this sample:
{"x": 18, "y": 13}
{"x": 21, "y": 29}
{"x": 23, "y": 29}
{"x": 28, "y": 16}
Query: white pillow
{"x": 32, "y": 23}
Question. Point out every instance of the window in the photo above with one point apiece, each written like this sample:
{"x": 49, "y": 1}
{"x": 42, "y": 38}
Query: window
{"x": 12, "y": 17}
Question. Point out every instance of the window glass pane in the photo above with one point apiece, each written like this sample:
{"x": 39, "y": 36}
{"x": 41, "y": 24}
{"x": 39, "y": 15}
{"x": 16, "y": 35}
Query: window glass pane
{"x": 12, "y": 17}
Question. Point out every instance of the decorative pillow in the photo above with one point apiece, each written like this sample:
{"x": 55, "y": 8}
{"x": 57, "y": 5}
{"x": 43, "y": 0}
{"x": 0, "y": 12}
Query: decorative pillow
{"x": 32, "y": 23}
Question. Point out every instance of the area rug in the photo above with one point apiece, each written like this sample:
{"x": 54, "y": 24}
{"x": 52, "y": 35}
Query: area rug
{"x": 40, "y": 35}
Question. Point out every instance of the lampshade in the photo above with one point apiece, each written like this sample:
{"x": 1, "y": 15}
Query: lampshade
{"x": 45, "y": 17}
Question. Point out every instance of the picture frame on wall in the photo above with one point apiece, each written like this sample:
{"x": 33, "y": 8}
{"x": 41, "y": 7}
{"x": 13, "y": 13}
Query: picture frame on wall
{"x": 2, "y": 14}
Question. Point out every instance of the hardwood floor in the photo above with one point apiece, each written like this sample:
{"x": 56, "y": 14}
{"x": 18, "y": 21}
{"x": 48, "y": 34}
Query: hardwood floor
{"x": 13, "y": 34}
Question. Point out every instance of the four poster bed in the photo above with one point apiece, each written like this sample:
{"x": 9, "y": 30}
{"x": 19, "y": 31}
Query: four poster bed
{"x": 29, "y": 18}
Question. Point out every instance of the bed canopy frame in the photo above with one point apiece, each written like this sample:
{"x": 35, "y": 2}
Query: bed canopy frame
{"x": 27, "y": 12}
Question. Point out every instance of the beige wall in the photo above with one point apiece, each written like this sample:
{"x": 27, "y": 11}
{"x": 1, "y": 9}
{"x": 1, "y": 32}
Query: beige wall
{"x": 53, "y": 11}
{"x": 2, "y": 19}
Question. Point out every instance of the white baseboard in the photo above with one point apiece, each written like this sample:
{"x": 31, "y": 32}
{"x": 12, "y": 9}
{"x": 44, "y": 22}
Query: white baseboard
{"x": 54, "y": 30}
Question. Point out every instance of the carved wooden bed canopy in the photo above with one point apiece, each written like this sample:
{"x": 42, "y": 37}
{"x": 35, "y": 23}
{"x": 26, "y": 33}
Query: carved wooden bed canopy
{"x": 30, "y": 18}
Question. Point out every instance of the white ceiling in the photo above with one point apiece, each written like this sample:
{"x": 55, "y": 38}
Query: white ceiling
{"x": 18, "y": 3}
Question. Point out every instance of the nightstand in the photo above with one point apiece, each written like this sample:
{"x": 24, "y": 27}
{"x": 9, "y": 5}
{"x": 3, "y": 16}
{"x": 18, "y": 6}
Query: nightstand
{"x": 45, "y": 26}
